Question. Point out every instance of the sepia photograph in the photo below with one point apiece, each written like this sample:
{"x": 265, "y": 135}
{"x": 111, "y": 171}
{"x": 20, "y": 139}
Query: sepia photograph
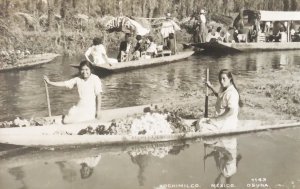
{"x": 149, "y": 94}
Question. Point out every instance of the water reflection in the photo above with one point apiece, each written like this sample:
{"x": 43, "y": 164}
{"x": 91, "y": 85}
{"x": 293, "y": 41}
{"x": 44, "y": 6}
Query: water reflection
{"x": 19, "y": 175}
{"x": 156, "y": 164}
{"x": 87, "y": 165}
{"x": 141, "y": 156}
{"x": 224, "y": 152}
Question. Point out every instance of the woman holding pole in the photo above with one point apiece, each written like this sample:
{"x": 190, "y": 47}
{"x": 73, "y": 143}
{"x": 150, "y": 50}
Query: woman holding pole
{"x": 89, "y": 89}
{"x": 227, "y": 105}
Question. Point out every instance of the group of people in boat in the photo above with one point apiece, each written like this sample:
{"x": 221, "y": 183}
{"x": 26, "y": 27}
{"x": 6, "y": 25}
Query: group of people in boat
{"x": 266, "y": 31}
{"x": 203, "y": 33}
{"x": 143, "y": 48}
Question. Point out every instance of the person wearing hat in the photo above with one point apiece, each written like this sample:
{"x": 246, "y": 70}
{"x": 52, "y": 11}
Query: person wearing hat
{"x": 168, "y": 27}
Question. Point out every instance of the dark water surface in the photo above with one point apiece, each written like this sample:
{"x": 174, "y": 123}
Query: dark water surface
{"x": 271, "y": 159}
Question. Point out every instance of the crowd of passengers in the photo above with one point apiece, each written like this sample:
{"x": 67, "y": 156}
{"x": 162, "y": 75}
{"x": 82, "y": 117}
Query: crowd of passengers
{"x": 144, "y": 48}
{"x": 267, "y": 32}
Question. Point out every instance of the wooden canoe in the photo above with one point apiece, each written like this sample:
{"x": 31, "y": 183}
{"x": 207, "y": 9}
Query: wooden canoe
{"x": 58, "y": 135}
{"x": 221, "y": 47}
{"x": 29, "y": 62}
{"x": 131, "y": 65}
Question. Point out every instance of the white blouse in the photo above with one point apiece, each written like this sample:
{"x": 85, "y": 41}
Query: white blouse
{"x": 168, "y": 26}
{"x": 87, "y": 90}
{"x": 98, "y": 52}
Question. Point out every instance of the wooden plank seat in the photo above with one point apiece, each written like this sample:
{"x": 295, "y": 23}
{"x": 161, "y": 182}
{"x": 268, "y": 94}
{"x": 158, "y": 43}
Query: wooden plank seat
{"x": 261, "y": 37}
{"x": 164, "y": 53}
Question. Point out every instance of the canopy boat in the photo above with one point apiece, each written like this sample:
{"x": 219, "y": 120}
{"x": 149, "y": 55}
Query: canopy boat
{"x": 58, "y": 135}
{"x": 29, "y": 62}
{"x": 143, "y": 63}
{"x": 245, "y": 23}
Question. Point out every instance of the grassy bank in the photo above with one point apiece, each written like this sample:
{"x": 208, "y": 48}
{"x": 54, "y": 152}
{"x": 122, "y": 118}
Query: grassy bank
{"x": 271, "y": 97}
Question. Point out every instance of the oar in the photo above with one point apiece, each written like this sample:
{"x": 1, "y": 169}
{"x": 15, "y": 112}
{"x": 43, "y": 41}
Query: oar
{"x": 175, "y": 42}
{"x": 206, "y": 96}
{"x": 48, "y": 99}
{"x": 206, "y": 112}
{"x": 204, "y": 157}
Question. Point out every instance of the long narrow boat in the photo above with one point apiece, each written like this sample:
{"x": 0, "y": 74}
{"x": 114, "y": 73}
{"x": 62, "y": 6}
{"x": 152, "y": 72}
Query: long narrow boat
{"x": 247, "y": 47}
{"x": 29, "y": 62}
{"x": 58, "y": 135}
{"x": 137, "y": 64}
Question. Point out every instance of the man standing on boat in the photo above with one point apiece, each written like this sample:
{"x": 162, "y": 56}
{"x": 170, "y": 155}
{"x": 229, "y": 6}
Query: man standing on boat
{"x": 168, "y": 28}
{"x": 201, "y": 26}
{"x": 124, "y": 50}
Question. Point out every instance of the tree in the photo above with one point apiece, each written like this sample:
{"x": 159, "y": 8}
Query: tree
{"x": 50, "y": 7}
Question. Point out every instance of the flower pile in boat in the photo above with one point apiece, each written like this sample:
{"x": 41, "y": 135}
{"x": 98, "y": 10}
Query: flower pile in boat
{"x": 19, "y": 122}
{"x": 153, "y": 122}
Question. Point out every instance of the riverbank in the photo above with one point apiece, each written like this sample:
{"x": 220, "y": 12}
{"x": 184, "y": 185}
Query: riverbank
{"x": 267, "y": 96}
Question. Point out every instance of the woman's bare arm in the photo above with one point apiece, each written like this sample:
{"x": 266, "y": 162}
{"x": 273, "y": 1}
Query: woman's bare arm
{"x": 57, "y": 84}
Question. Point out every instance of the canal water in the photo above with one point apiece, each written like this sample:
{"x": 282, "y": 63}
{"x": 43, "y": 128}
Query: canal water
{"x": 266, "y": 160}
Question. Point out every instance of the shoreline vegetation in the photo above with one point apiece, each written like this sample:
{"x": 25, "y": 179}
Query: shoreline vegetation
{"x": 68, "y": 28}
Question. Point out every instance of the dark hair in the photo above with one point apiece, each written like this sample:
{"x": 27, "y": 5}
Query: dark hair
{"x": 282, "y": 29}
{"x": 127, "y": 35}
{"x": 85, "y": 174}
{"x": 97, "y": 41}
{"x": 150, "y": 38}
{"x": 219, "y": 29}
{"x": 171, "y": 35}
{"x": 138, "y": 37}
{"x": 85, "y": 63}
{"x": 229, "y": 75}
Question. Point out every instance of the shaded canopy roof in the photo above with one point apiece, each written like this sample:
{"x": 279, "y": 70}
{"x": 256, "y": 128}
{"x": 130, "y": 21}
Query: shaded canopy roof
{"x": 279, "y": 15}
{"x": 126, "y": 25}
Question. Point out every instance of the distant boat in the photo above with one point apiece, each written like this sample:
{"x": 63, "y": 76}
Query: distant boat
{"x": 29, "y": 62}
{"x": 246, "y": 47}
{"x": 250, "y": 19}
{"x": 138, "y": 64}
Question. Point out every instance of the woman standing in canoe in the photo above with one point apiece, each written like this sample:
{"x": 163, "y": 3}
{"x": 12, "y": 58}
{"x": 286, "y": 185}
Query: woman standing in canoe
{"x": 89, "y": 89}
{"x": 227, "y": 105}
{"x": 98, "y": 53}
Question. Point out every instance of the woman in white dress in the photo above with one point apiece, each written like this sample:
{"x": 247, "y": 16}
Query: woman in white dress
{"x": 89, "y": 88}
{"x": 98, "y": 53}
{"x": 227, "y": 105}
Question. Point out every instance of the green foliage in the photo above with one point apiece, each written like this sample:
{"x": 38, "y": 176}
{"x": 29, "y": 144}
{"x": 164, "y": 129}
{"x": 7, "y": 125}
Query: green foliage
{"x": 285, "y": 98}
{"x": 59, "y": 17}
